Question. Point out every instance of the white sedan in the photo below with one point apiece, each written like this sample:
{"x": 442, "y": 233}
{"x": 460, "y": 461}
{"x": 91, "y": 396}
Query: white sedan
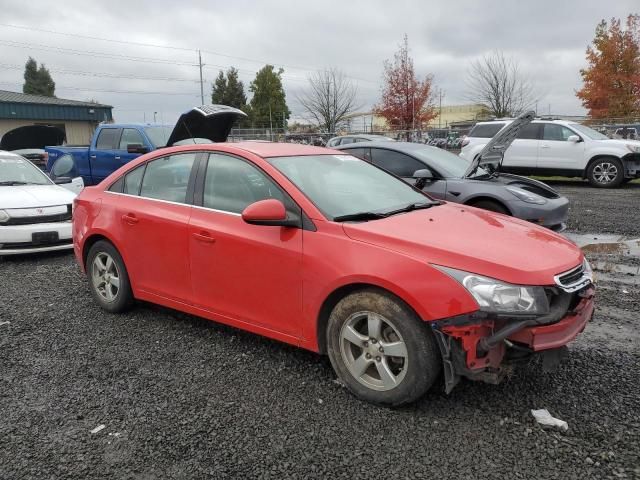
{"x": 35, "y": 212}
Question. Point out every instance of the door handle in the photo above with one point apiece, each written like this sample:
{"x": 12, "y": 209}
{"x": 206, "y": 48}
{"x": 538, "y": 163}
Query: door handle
{"x": 204, "y": 237}
{"x": 92, "y": 156}
{"x": 117, "y": 158}
{"x": 130, "y": 219}
{"x": 545, "y": 145}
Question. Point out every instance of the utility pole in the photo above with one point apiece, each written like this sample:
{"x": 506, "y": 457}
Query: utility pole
{"x": 201, "y": 83}
{"x": 440, "y": 114}
{"x": 270, "y": 123}
{"x": 154, "y": 116}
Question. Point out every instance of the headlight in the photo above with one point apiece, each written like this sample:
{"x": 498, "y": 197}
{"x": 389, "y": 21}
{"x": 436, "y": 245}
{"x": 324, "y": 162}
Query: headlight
{"x": 633, "y": 148}
{"x": 528, "y": 197}
{"x": 499, "y": 297}
{"x": 4, "y": 216}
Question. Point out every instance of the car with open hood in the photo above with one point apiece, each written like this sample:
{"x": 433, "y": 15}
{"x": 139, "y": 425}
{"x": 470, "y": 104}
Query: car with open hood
{"x": 30, "y": 142}
{"x": 114, "y": 145}
{"x": 479, "y": 183}
{"x": 549, "y": 147}
{"x": 35, "y": 212}
{"x": 331, "y": 253}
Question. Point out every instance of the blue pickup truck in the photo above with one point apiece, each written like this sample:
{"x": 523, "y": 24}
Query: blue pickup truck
{"x": 113, "y": 145}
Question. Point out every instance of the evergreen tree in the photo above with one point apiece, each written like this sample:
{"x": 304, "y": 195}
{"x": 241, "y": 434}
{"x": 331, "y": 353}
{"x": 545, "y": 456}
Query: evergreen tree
{"x": 268, "y": 104}
{"x": 37, "y": 81}
{"x": 228, "y": 90}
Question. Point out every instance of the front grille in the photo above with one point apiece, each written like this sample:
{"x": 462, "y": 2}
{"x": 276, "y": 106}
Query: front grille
{"x": 574, "y": 279}
{"x": 59, "y": 217}
{"x": 572, "y": 276}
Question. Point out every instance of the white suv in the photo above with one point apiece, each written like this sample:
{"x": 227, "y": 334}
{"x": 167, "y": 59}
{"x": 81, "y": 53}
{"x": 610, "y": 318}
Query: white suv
{"x": 557, "y": 147}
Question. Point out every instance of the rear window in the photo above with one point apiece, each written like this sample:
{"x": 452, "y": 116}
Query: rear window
{"x": 487, "y": 130}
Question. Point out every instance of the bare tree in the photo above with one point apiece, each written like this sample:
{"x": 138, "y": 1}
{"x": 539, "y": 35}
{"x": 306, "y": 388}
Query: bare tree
{"x": 496, "y": 83}
{"x": 331, "y": 97}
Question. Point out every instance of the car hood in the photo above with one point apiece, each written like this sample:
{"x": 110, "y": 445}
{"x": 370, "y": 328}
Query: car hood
{"x": 473, "y": 240}
{"x": 31, "y": 196}
{"x": 211, "y": 122}
{"x": 529, "y": 184}
{"x": 493, "y": 152}
{"x": 31, "y": 136}
{"x": 622, "y": 143}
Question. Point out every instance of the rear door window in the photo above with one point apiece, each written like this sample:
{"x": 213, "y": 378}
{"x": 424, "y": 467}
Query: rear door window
{"x": 108, "y": 138}
{"x": 530, "y": 132}
{"x": 167, "y": 178}
{"x": 397, "y": 163}
{"x": 363, "y": 153}
{"x": 487, "y": 130}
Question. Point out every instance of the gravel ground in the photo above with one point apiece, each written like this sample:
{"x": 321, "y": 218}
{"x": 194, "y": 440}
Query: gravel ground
{"x": 181, "y": 397}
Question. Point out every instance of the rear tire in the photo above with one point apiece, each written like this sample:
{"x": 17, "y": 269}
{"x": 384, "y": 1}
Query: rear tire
{"x": 605, "y": 172}
{"x": 381, "y": 350}
{"x": 491, "y": 206}
{"x": 108, "y": 278}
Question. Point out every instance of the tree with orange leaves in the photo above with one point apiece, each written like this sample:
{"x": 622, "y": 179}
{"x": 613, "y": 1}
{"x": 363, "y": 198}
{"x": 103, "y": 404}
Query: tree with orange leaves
{"x": 407, "y": 102}
{"x": 612, "y": 80}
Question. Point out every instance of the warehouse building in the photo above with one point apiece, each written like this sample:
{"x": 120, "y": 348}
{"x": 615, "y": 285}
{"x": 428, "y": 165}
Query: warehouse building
{"x": 76, "y": 119}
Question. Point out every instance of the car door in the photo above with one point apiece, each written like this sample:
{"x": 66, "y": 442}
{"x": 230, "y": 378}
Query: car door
{"x": 557, "y": 152}
{"x": 404, "y": 166}
{"x": 129, "y": 136}
{"x": 102, "y": 156}
{"x": 522, "y": 155}
{"x": 248, "y": 273}
{"x": 153, "y": 207}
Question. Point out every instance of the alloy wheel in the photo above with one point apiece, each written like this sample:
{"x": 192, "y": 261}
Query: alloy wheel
{"x": 373, "y": 351}
{"x": 105, "y": 276}
{"x": 605, "y": 172}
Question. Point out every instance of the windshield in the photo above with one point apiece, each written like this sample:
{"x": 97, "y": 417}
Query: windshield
{"x": 158, "y": 135}
{"x": 16, "y": 170}
{"x": 344, "y": 185}
{"x": 589, "y": 132}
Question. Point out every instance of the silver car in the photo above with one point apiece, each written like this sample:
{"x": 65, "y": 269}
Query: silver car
{"x": 479, "y": 183}
{"x": 357, "y": 138}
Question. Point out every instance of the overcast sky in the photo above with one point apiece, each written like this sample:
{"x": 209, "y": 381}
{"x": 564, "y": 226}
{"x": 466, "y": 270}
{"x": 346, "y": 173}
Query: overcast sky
{"x": 548, "y": 38}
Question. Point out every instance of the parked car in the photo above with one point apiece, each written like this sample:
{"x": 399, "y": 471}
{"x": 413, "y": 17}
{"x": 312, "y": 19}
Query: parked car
{"x": 449, "y": 177}
{"x": 346, "y": 139}
{"x": 30, "y": 142}
{"x": 558, "y": 147}
{"x": 114, "y": 145}
{"x": 35, "y": 213}
{"x": 328, "y": 252}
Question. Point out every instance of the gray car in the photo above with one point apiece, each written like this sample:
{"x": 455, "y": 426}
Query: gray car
{"x": 361, "y": 137}
{"x": 446, "y": 176}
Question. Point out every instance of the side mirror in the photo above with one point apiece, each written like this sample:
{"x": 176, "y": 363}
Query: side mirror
{"x": 423, "y": 174}
{"x": 574, "y": 138}
{"x": 62, "y": 180}
{"x": 270, "y": 212}
{"x": 136, "y": 148}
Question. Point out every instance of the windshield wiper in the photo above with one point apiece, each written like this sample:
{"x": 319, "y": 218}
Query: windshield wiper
{"x": 411, "y": 207}
{"x": 360, "y": 216}
{"x": 13, "y": 182}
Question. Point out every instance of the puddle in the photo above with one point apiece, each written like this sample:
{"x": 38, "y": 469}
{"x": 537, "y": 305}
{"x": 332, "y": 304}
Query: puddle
{"x": 605, "y": 243}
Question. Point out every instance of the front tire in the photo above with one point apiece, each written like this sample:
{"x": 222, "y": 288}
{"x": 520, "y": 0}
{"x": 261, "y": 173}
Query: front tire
{"x": 108, "y": 278}
{"x": 381, "y": 350}
{"x": 605, "y": 173}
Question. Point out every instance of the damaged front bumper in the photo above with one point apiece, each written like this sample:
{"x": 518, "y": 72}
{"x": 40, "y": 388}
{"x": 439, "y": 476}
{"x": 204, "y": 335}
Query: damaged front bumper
{"x": 486, "y": 349}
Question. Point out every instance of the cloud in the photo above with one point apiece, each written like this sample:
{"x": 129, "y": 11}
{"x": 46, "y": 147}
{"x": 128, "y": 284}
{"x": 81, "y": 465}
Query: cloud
{"x": 547, "y": 37}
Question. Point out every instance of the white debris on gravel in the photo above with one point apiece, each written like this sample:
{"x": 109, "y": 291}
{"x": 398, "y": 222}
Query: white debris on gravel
{"x": 544, "y": 418}
{"x": 98, "y": 428}
{"x": 4, "y": 323}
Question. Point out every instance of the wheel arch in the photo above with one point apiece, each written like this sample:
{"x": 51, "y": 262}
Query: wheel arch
{"x": 484, "y": 197}
{"x": 91, "y": 241}
{"x": 338, "y": 294}
{"x": 597, "y": 157}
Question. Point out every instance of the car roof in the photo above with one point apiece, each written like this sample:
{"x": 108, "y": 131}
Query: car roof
{"x": 7, "y": 154}
{"x": 262, "y": 149}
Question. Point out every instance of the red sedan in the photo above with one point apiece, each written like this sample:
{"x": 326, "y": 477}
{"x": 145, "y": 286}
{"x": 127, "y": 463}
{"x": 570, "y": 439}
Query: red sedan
{"x": 322, "y": 250}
